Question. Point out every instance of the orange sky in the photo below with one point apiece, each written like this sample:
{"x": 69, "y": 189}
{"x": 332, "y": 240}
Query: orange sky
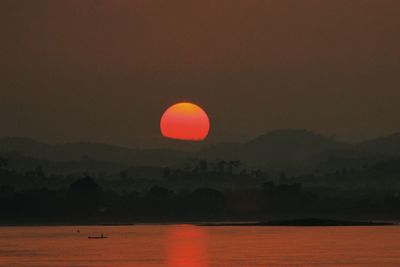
{"x": 106, "y": 70}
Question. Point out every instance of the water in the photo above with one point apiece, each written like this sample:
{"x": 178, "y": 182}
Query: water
{"x": 191, "y": 246}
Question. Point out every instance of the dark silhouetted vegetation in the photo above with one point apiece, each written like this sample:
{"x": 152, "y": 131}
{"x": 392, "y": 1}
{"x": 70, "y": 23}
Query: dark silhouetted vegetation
{"x": 202, "y": 191}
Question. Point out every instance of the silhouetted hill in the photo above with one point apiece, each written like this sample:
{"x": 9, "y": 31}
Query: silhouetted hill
{"x": 280, "y": 148}
{"x": 389, "y": 145}
{"x": 25, "y": 146}
{"x": 290, "y": 150}
{"x": 291, "y": 146}
{"x": 24, "y": 164}
{"x": 223, "y": 151}
{"x": 332, "y": 160}
{"x": 91, "y": 151}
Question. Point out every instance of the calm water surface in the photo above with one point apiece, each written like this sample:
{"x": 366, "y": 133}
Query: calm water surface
{"x": 191, "y": 246}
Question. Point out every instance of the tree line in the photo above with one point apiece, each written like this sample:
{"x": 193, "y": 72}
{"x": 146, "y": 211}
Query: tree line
{"x": 87, "y": 199}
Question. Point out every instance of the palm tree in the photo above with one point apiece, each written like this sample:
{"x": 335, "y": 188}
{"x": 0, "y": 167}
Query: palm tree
{"x": 233, "y": 164}
{"x": 221, "y": 166}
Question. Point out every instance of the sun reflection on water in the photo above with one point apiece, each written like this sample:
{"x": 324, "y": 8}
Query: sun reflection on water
{"x": 186, "y": 246}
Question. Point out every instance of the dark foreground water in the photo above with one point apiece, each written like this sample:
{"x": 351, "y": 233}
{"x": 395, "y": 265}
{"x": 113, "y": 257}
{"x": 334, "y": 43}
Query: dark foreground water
{"x": 190, "y": 246}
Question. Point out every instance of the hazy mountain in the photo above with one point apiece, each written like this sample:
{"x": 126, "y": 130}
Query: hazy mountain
{"x": 333, "y": 160}
{"x": 280, "y": 149}
{"x": 99, "y": 169}
{"x": 91, "y": 151}
{"x": 277, "y": 148}
{"x": 389, "y": 145}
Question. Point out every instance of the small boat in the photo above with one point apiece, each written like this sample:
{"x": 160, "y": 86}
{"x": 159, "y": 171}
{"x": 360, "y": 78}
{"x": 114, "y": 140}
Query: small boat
{"x": 97, "y": 237}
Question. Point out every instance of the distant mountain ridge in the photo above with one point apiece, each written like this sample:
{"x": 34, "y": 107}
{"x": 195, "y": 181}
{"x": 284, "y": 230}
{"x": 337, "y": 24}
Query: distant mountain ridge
{"x": 384, "y": 145}
{"x": 94, "y": 151}
{"x": 277, "y": 149}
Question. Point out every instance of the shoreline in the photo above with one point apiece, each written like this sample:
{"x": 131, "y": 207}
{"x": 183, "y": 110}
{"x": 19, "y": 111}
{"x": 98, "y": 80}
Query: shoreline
{"x": 307, "y": 222}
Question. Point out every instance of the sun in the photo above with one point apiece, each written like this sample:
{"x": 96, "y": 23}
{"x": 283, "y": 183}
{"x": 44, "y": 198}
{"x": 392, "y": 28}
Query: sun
{"x": 185, "y": 121}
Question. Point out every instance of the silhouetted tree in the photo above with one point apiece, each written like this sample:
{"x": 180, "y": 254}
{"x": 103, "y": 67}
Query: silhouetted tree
{"x": 166, "y": 172}
{"x": 243, "y": 172}
{"x": 232, "y": 164}
{"x": 213, "y": 166}
{"x": 85, "y": 196}
{"x": 256, "y": 173}
{"x": 6, "y": 191}
{"x": 3, "y": 162}
{"x": 203, "y": 165}
{"x": 123, "y": 175}
{"x": 38, "y": 172}
{"x": 221, "y": 166}
{"x": 206, "y": 202}
{"x": 157, "y": 202}
{"x": 85, "y": 187}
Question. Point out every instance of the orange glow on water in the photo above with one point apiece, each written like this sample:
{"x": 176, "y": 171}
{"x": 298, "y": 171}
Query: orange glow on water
{"x": 185, "y": 121}
{"x": 191, "y": 246}
{"x": 186, "y": 247}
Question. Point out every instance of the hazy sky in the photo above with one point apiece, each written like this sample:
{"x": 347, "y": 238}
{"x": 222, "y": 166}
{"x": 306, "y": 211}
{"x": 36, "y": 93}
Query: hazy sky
{"x": 105, "y": 71}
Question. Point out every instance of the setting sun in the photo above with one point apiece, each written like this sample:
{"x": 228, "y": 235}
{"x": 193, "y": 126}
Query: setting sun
{"x": 185, "y": 121}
